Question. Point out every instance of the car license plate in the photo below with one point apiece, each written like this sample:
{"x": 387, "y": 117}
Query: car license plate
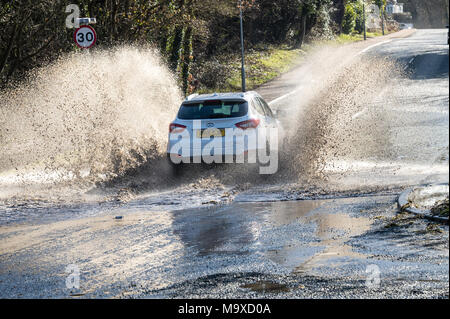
{"x": 209, "y": 132}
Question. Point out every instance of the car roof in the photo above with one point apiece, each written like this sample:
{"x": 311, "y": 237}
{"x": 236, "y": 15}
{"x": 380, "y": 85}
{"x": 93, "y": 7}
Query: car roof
{"x": 222, "y": 96}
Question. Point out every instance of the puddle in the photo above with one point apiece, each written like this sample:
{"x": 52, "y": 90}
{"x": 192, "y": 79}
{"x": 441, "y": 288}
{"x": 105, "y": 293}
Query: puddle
{"x": 327, "y": 245}
{"x": 330, "y": 224}
{"x": 287, "y": 212}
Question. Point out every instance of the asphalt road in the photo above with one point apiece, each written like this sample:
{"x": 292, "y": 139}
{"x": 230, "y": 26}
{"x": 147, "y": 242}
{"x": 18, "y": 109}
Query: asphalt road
{"x": 273, "y": 241}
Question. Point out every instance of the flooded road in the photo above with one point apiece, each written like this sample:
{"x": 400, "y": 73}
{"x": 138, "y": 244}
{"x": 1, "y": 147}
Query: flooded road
{"x": 320, "y": 228}
{"x": 307, "y": 248}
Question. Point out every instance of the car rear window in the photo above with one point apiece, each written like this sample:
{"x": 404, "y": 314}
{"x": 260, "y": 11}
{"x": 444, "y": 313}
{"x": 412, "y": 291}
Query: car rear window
{"x": 213, "y": 110}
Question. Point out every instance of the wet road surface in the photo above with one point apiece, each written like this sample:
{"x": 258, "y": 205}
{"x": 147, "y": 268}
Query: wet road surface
{"x": 268, "y": 240}
{"x": 304, "y": 249}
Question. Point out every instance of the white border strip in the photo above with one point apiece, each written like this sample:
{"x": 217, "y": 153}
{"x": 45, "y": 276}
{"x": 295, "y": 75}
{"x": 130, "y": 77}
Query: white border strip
{"x": 284, "y": 96}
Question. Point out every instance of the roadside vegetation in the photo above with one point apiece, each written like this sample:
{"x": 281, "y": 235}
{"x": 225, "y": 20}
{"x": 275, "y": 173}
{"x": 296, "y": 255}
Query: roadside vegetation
{"x": 441, "y": 208}
{"x": 262, "y": 65}
{"x": 198, "y": 39}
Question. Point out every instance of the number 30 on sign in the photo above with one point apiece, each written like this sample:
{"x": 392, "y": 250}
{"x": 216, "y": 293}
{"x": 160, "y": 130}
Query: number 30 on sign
{"x": 85, "y": 37}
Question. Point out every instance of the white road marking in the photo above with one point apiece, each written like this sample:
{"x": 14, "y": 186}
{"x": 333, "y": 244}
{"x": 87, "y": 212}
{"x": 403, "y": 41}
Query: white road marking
{"x": 298, "y": 89}
{"x": 373, "y": 46}
{"x": 284, "y": 96}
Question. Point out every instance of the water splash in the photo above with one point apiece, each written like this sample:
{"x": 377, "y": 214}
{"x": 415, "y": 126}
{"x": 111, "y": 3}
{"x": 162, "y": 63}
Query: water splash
{"x": 89, "y": 115}
{"x": 101, "y": 118}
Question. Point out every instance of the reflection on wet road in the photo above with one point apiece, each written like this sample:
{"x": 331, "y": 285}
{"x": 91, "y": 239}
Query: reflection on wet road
{"x": 149, "y": 253}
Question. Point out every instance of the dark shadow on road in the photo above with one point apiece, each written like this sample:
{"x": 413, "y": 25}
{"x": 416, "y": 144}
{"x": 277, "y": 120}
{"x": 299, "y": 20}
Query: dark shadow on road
{"x": 430, "y": 65}
{"x": 216, "y": 231}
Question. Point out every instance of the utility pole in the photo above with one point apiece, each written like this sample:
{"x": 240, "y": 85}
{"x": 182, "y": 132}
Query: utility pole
{"x": 382, "y": 18}
{"x": 242, "y": 47}
{"x": 364, "y": 20}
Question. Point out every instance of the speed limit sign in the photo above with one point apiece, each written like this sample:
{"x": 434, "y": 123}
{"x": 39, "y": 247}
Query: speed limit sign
{"x": 85, "y": 37}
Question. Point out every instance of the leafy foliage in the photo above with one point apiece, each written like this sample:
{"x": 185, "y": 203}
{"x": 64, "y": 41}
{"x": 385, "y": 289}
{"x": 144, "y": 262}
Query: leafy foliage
{"x": 348, "y": 25}
{"x": 188, "y": 33}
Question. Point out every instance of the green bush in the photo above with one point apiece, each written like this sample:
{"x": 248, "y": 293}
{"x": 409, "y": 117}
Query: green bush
{"x": 348, "y": 24}
{"x": 359, "y": 21}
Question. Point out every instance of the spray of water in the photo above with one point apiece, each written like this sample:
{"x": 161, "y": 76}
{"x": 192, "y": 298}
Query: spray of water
{"x": 101, "y": 117}
{"x": 327, "y": 129}
{"x": 88, "y": 115}
{"x": 333, "y": 119}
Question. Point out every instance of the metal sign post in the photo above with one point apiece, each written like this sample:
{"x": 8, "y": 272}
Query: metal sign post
{"x": 364, "y": 20}
{"x": 242, "y": 47}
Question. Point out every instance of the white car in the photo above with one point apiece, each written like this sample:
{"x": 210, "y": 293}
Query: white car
{"x": 406, "y": 26}
{"x": 220, "y": 127}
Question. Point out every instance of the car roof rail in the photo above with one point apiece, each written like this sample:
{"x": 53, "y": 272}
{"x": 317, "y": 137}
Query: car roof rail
{"x": 190, "y": 97}
{"x": 251, "y": 93}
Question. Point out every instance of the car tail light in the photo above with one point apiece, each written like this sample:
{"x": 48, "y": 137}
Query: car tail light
{"x": 176, "y": 128}
{"x": 253, "y": 123}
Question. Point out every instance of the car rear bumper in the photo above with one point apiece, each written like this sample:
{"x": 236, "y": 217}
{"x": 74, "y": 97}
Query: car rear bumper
{"x": 246, "y": 157}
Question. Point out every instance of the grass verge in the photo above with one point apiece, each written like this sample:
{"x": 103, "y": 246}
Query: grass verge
{"x": 262, "y": 65}
{"x": 265, "y": 63}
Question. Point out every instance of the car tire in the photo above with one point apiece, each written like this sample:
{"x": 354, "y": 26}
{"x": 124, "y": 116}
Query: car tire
{"x": 176, "y": 170}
